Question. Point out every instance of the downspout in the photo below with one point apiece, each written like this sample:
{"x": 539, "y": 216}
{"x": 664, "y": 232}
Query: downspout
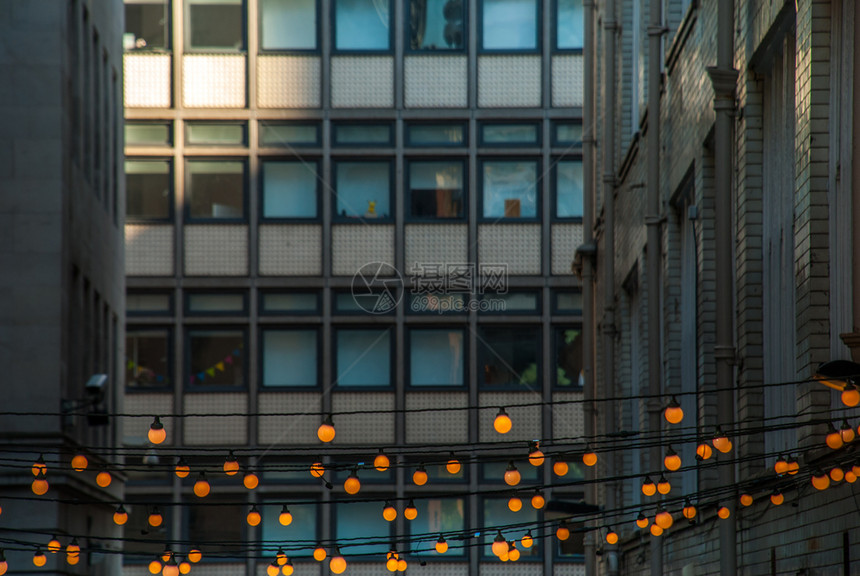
{"x": 610, "y": 27}
{"x": 724, "y": 78}
{"x": 653, "y": 251}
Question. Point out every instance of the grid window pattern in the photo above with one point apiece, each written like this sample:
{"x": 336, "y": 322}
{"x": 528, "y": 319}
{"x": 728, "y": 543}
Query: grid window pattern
{"x": 288, "y": 24}
{"x": 510, "y": 189}
{"x": 215, "y": 189}
{"x": 362, "y": 25}
{"x": 509, "y": 25}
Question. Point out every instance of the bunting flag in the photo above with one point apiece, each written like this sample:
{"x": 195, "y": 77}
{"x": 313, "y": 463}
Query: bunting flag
{"x": 219, "y": 366}
{"x": 137, "y": 370}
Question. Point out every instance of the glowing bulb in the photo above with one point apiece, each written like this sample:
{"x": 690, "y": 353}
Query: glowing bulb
{"x": 515, "y": 504}
{"x": 563, "y": 532}
{"x": 195, "y": 555}
{"x": 182, "y": 469}
{"x": 231, "y": 465}
{"x": 850, "y": 477}
{"x": 780, "y": 466}
{"x": 648, "y": 487}
{"x": 287, "y": 569}
{"x": 410, "y": 512}
{"x": 39, "y": 485}
{"x": 512, "y": 475}
{"x": 703, "y": 452}
{"x": 319, "y": 554}
{"x": 850, "y": 396}
{"x": 326, "y": 430}
{"x": 500, "y": 545}
{"x": 834, "y": 438}
{"x": 250, "y": 480}
{"x": 453, "y": 465}
{"x": 536, "y": 457}
{"x": 689, "y": 511}
{"x": 820, "y": 480}
{"x": 793, "y": 466}
{"x": 391, "y": 564}
{"x": 847, "y": 432}
{"x": 166, "y": 555}
{"x": 777, "y": 498}
{"x": 337, "y": 564}
{"x": 656, "y": 530}
{"x": 527, "y": 540}
{"x": 273, "y": 569}
{"x": 663, "y": 486}
{"x": 157, "y": 434}
{"x": 419, "y": 477}
{"x": 611, "y": 537}
{"x": 560, "y": 468}
{"x": 73, "y": 559}
{"x": 538, "y": 501}
{"x": 746, "y": 500}
{"x": 281, "y": 557}
{"x": 155, "y": 518}
{"x": 120, "y": 517}
{"x": 664, "y": 519}
{"x": 39, "y": 466}
{"x": 590, "y": 457}
{"x": 73, "y": 547}
{"x": 4, "y": 566}
{"x": 642, "y": 520}
{"x": 502, "y": 423}
{"x": 39, "y": 558}
{"x": 673, "y": 412}
{"x": 513, "y": 553}
{"x": 184, "y": 567}
{"x": 856, "y": 469}
{"x": 724, "y": 512}
{"x": 318, "y": 470}
{"x": 401, "y": 565}
{"x": 389, "y": 512}
{"x": 441, "y": 545}
{"x": 672, "y": 461}
{"x": 201, "y": 487}
{"x": 54, "y": 545}
{"x": 79, "y": 463}
{"x": 836, "y": 474}
{"x": 285, "y": 518}
{"x": 721, "y": 442}
{"x": 170, "y": 569}
{"x": 253, "y": 516}
{"x": 381, "y": 462}
{"x": 103, "y": 479}
{"x": 155, "y": 567}
{"x": 352, "y": 484}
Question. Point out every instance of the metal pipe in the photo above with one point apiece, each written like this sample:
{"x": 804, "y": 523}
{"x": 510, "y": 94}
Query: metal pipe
{"x": 653, "y": 222}
{"x": 724, "y": 78}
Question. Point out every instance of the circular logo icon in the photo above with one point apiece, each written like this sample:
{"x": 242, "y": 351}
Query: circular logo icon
{"x": 377, "y": 288}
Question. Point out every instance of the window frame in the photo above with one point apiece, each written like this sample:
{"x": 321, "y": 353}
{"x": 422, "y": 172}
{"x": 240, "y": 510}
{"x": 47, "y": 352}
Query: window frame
{"x": 536, "y": 311}
{"x": 171, "y": 305}
{"x": 482, "y": 143}
{"x": 565, "y": 311}
{"x": 187, "y": 217}
{"x": 274, "y": 500}
{"x": 191, "y": 123}
{"x": 335, "y": 354}
{"x": 188, "y": 294}
{"x": 408, "y": 143}
{"x": 261, "y": 357}
{"x": 360, "y": 311}
{"x": 555, "y": 161}
{"x": 556, "y": 143}
{"x": 554, "y": 45}
{"x": 189, "y": 49}
{"x": 392, "y": 206}
{"x": 167, "y": 123}
{"x": 168, "y": 30}
{"x": 171, "y": 364}
{"x": 407, "y": 358}
{"x": 367, "y": 123}
{"x": 171, "y": 199}
{"x": 482, "y": 338}
{"x": 360, "y": 557}
{"x": 407, "y": 188}
{"x": 263, "y": 160}
{"x": 335, "y": 51}
{"x": 538, "y": 25}
{"x": 556, "y": 330}
{"x": 194, "y": 387}
{"x": 268, "y": 313}
{"x": 455, "y": 554}
{"x": 301, "y": 51}
{"x": 317, "y": 143}
{"x": 407, "y": 35}
{"x": 482, "y": 187}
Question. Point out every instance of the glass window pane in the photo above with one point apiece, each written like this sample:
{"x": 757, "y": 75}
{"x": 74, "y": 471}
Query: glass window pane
{"x": 436, "y": 357}
{"x": 508, "y": 356}
{"x": 436, "y": 135}
{"x": 497, "y": 513}
{"x": 568, "y": 189}
{"x": 145, "y": 25}
{"x": 288, "y": 24}
{"x": 147, "y": 358}
{"x": 216, "y": 24}
{"x": 218, "y": 303}
{"x": 216, "y": 189}
{"x": 290, "y": 358}
{"x": 509, "y": 134}
{"x": 295, "y": 302}
{"x": 495, "y": 472}
{"x": 436, "y": 24}
{"x": 290, "y": 189}
{"x": 363, "y": 189}
{"x": 303, "y": 528}
{"x": 436, "y": 303}
{"x": 436, "y": 189}
{"x": 216, "y": 357}
{"x": 362, "y": 134}
{"x": 510, "y": 189}
{"x": 437, "y": 516}
{"x": 568, "y": 133}
{"x": 362, "y": 522}
{"x": 215, "y": 134}
{"x": 147, "y": 187}
{"x": 364, "y": 357}
{"x": 362, "y": 24}
{"x": 509, "y": 25}
{"x": 223, "y": 523}
{"x": 147, "y": 303}
{"x": 510, "y": 302}
{"x": 147, "y": 134}
{"x": 287, "y": 135}
{"x": 568, "y": 342}
{"x": 573, "y": 546}
{"x": 570, "y": 24}
{"x": 569, "y": 302}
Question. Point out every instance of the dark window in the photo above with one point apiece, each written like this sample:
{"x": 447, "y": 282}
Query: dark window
{"x": 436, "y": 357}
{"x": 363, "y": 134}
{"x": 449, "y": 135}
{"x": 569, "y": 302}
{"x": 290, "y": 302}
{"x": 148, "y": 134}
{"x": 497, "y": 514}
{"x": 216, "y": 357}
{"x": 216, "y": 189}
{"x": 362, "y": 522}
{"x": 290, "y": 357}
{"x": 221, "y": 522}
{"x": 511, "y": 302}
{"x": 144, "y": 303}
{"x": 147, "y": 358}
{"x": 288, "y": 24}
{"x": 145, "y": 25}
{"x": 290, "y": 189}
{"x": 362, "y": 24}
{"x": 509, "y": 25}
{"x": 436, "y": 189}
{"x": 148, "y": 186}
{"x": 574, "y": 546}
{"x": 211, "y": 303}
{"x": 510, "y": 189}
{"x": 287, "y": 134}
{"x": 437, "y": 24}
{"x": 568, "y": 189}
{"x": 437, "y": 303}
{"x": 302, "y": 528}
{"x": 437, "y": 516}
{"x": 147, "y": 541}
{"x": 569, "y": 25}
{"x": 568, "y": 359}
{"x": 509, "y": 356}
{"x": 363, "y": 189}
{"x": 214, "y": 134}
{"x": 363, "y": 357}
{"x": 215, "y": 24}
{"x": 493, "y": 134}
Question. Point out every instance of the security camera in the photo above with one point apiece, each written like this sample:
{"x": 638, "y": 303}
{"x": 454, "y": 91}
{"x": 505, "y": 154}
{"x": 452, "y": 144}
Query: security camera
{"x": 96, "y": 384}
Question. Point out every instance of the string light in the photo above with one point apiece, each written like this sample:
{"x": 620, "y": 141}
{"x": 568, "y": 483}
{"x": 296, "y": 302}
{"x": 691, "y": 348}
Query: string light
{"x": 648, "y": 486}
{"x": 563, "y": 532}
{"x": 156, "y": 434}
{"x": 39, "y": 466}
{"x": 410, "y": 512}
{"x": 673, "y": 412}
{"x": 850, "y": 476}
{"x": 40, "y": 484}
{"x": 250, "y": 480}
{"x": 103, "y": 479}
{"x": 381, "y": 462}
{"x": 641, "y": 520}
{"x": 664, "y": 519}
{"x": 672, "y": 461}
{"x": 689, "y": 511}
{"x": 195, "y": 555}
{"x": 560, "y": 468}
{"x": 389, "y": 512}
{"x": 500, "y": 545}
{"x": 171, "y": 568}
{"x": 536, "y": 457}
{"x": 502, "y": 423}
{"x": 721, "y": 442}
{"x": 319, "y": 553}
{"x": 391, "y": 561}
{"x": 154, "y": 567}
{"x": 589, "y": 458}
{"x": 79, "y": 463}
{"x": 231, "y": 465}
{"x": 4, "y": 566}
{"x": 419, "y": 477}
{"x": 746, "y": 500}
{"x": 120, "y": 516}
{"x": 611, "y": 537}
{"x": 512, "y": 475}
{"x": 201, "y": 486}
{"x": 54, "y": 545}
{"x": 776, "y": 498}
{"x": 836, "y": 474}
{"x": 724, "y": 512}
{"x": 527, "y": 540}
{"x": 847, "y": 432}
{"x": 39, "y": 558}
{"x": 656, "y": 531}
{"x": 703, "y": 452}
{"x": 513, "y": 552}
{"x": 287, "y": 569}
{"x": 281, "y": 557}
{"x": 337, "y": 563}
{"x": 515, "y": 504}
{"x": 182, "y": 469}
{"x": 663, "y": 486}
{"x": 254, "y": 518}
{"x": 834, "y": 438}
{"x": 318, "y": 470}
{"x": 793, "y": 466}
{"x": 820, "y": 480}
{"x": 273, "y": 569}
{"x": 184, "y": 567}
{"x": 538, "y": 500}
{"x": 402, "y": 565}
{"x": 850, "y": 395}
{"x": 285, "y": 518}
{"x": 780, "y": 466}
{"x": 352, "y": 484}
{"x": 326, "y": 430}
{"x": 453, "y": 465}
{"x": 441, "y": 545}
{"x": 155, "y": 518}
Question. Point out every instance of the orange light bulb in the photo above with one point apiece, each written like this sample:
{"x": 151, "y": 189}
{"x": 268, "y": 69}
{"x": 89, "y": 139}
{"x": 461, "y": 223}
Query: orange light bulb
{"x": 195, "y": 555}
{"x": 156, "y": 434}
{"x": 231, "y": 465}
{"x": 319, "y": 554}
{"x": 502, "y": 423}
{"x": 155, "y": 518}
{"x": 39, "y": 558}
{"x": 672, "y": 461}
{"x": 201, "y": 487}
{"x": 381, "y": 462}
{"x": 389, "y": 512}
{"x": 673, "y": 412}
{"x": 656, "y": 530}
{"x": 155, "y": 567}
{"x": 318, "y": 470}
{"x": 536, "y": 457}
{"x": 850, "y": 396}
{"x": 780, "y": 466}
{"x": 611, "y": 537}
{"x": 254, "y": 518}
{"x": 337, "y": 564}
{"x": 79, "y": 463}
{"x": 419, "y": 477}
{"x": 410, "y": 512}
{"x": 512, "y": 475}
{"x": 527, "y": 540}
{"x": 746, "y": 500}
{"x": 39, "y": 485}
{"x": 563, "y": 532}
{"x": 250, "y": 480}
{"x": 820, "y": 481}
{"x": 837, "y": 474}
{"x": 777, "y": 498}
{"x": 648, "y": 487}
{"x": 538, "y": 501}
{"x": 352, "y": 484}
{"x": 182, "y": 469}
{"x": 642, "y": 521}
{"x": 441, "y": 545}
{"x": 326, "y": 430}
{"x": 664, "y": 519}
{"x": 703, "y": 452}
{"x": 120, "y": 517}
{"x": 724, "y": 512}
{"x": 834, "y": 438}
{"x": 39, "y": 466}
{"x": 589, "y": 458}
{"x": 453, "y": 465}
{"x": 515, "y": 504}
{"x": 285, "y": 518}
{"x": 663, "y": 486}
{"x": 560, "y": 468}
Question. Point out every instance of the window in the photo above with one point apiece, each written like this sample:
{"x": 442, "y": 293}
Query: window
{"x": 304, "y": 526}
{"x": 223, "y": 523}
{"x": 495, "y": 472}
{"x": 569, "y": 25}
{"x": 497, "y": 513}
{"x": 148, "y": 187}
{"x": 362, "y": 25}
{"x": 436, "y": 24}
{"x": 148, "y": 541}
{"x": 147, "y": 358}
{"x": 373, "y": 300}
{"x": 290, "y": 189}
{"x": 436, "y": 303}
{"x": 573, "y": 547}
{"x": 148, "y": 134}
{"x": 288, "y": 24}
{"x": 508, "y": 357}
{"x": 363, "y": 189}
{"x": 215, "y": 189}
{"x": 215, "y": 24}
{"x": 437, "y": 516}
{"x": 290, "y": 357}
{"x": 509, "y": 189}
{"x": 436, "y": 357}
{"x": 568, "y": 134}
{"x": 214, "y": 134}
{"x": 289, "y": 303}
{"x": 145, "y": 303}
{"x": 362, "y": 522}
{"x": 509, "y": 25}
{"x": 216, "y": 357}
{"x": 510, "y": 303}
{"x": 510, "y": 134}
{"x": 568, "y": 302}
{"x": 288, "y": 134}
{"x": 363, "y": 134}
{"x": 436, "y": 189}
{"x": 145, "y": 25}
{"x": 568, "y": 357}
{"x": 449, "y": 135}
{"x": 212, "y": 303}
{"x": 363, "y": 357}
{"x": 568, "y": 189}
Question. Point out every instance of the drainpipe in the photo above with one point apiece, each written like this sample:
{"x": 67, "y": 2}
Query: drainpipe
{"x": 610, "y": 27}
{"x": 653, "y": 251}
{"x": 724, "y": 78}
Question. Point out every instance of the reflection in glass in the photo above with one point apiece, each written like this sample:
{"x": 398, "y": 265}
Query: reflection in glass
{"x": 508, "y": 356}
{"x": 216, "y": 189}
{"x": 436, "y": 24}
{"x": 436, "y": 516}
{"x": 509, "y": 25}
{"x": 363, "y": 189}
{"x": 147, "y": 189}
{"x": 288, "y": 24}
{"x": 568, "y": 189}
{"x": 147, "y": 358}
{"x": 436, "y": 189}
{"x": 290, "y": 189}
{"x": 436, "y": 357}
{"x": 510, "y": 189}
{"x": 362, "y": 24}
{"x": 569, "y": 357}
{"x": 570, "y": 24}
{"x": 290, "y": 358}
{"x": 364, "y": 357}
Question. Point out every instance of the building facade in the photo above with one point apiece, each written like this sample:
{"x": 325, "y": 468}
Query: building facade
{"x": 784, "y": 164}
{"x": 62, "y": 205}
{"x": 351, "y": 205}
